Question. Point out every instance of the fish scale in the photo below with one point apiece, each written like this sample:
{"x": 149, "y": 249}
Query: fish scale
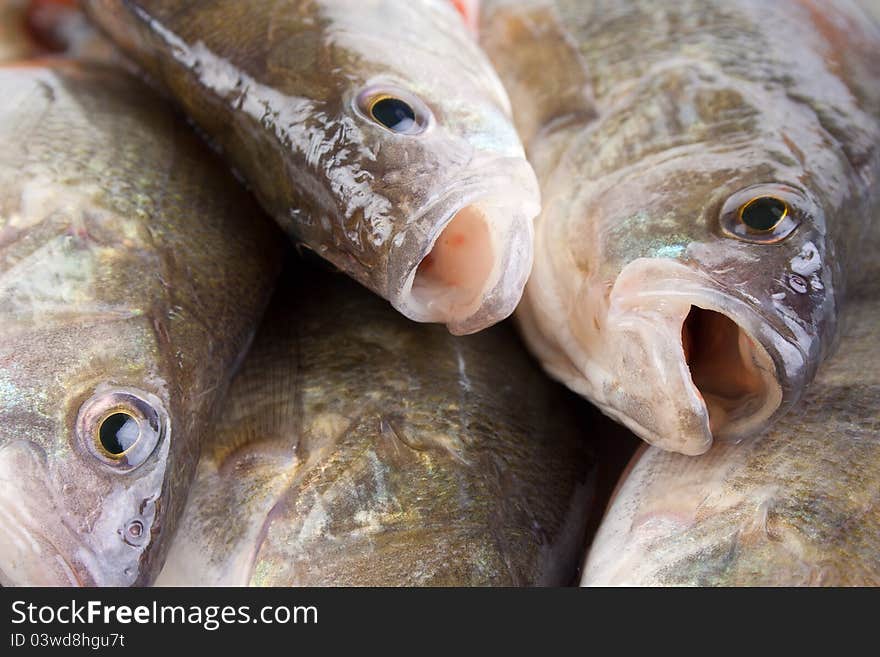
{"x": 398, "y": 455}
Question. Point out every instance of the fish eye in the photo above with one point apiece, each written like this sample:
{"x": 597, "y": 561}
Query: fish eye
{"x": 394, "y": 110}
{"x": 393, "y": 113}
{"x": 764, "y": 214}
{"x": 118, "y": 433}
{"x": 121, "y": 427}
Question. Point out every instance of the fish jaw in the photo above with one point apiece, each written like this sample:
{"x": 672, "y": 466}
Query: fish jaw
{"x": 679, "y": 359}
{"x": 471, "y": 271}
{"x": 629, "y": 548}
{"x": 51, "y": 539}
{"x": 29, "y": 552}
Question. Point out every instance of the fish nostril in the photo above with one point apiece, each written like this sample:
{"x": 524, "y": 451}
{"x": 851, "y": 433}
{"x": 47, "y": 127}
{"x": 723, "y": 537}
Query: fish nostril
{"x": 134, "y": 533}
{"x": 451, "y": 278}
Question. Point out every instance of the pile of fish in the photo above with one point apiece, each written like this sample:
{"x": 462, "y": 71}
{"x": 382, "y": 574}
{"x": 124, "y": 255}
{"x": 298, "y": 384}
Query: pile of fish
{"x": 256, "y": 258}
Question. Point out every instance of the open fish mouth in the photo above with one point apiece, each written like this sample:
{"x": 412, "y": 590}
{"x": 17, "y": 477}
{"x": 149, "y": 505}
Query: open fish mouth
{"x": 473, "y": 272}
{"x": 732, "y": 373}
{"x": 457, "y": 268}
{"x": 693, "y": 362}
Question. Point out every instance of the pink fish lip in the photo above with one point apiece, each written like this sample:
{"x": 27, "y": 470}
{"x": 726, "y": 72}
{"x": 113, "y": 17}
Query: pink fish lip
{"x": 471, "y": 271}
{"x": 475, "y": 271}
{"x": 715, "y": 366}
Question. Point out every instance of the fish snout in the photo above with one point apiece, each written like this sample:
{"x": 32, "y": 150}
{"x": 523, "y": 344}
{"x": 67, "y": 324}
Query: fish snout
{"x": 51, "y": 533}
{"x": 698, "y": 363}
{"x": 471, "y": 275}
{"x": 31, "y": 527}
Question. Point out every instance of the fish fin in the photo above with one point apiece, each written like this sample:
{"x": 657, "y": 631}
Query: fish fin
{"x": 262, "y": 414}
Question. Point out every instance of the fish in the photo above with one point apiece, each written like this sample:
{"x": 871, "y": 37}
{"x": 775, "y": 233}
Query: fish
{"x": 133, "y": 273}
{"x": 798, "y": 506}
{"x": 374, "y": 131}
{"x": 708, "y": 170}
{"x": 357, "y": 448}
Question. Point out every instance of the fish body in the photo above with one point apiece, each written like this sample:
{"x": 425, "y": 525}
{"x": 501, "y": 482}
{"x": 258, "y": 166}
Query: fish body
{"x": 359, "y": 449}
{"x": 708, "y": 171}
{"x": 375, "y": 132}
{"x": 133, "y": 272}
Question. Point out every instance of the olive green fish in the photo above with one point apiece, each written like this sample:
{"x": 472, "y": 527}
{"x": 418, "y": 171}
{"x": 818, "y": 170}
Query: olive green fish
{"x": 133, "y": 272}
{"x": 357, "y": 448}
{"x": 708, "y": 169}
{"x": 374, "y": 131}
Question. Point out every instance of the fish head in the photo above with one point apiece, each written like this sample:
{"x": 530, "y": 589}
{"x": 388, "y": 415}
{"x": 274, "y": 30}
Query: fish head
{"x": 441, "y": 194}
{"x": 377, "y": 133}
{"x": 721, "y": 285}
{"x": 94, "y": 414}
{"x": 68, "y": 521}
{"x": 132, "y": 273}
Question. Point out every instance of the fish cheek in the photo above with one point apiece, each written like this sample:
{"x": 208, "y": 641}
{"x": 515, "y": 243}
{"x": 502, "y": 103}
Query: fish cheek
{"x": 115, "y": 513}
{"x": 120, "y": 518}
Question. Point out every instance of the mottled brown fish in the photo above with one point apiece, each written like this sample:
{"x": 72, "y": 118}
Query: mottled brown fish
{"x": 708, "y": 169}
{"x": 133, "y": 272}
{"x": 374, "y": 131}
{"x": 357, "y": 448}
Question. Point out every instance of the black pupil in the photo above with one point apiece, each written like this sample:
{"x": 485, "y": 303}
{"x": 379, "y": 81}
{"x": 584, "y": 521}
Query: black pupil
{"x": 118, "y": 432}
{"x": 394, "y": 114}
{"x": 763, "y": 213}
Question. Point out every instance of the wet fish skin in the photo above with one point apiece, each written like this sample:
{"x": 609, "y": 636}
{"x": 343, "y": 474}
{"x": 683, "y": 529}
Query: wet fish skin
{"x": 797, "y": 506}
{"x": 133, "y": 272}
{"x": 654, "y": 116}
{"x": 360, "y": 449}
{"x": 275, "y": 85}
